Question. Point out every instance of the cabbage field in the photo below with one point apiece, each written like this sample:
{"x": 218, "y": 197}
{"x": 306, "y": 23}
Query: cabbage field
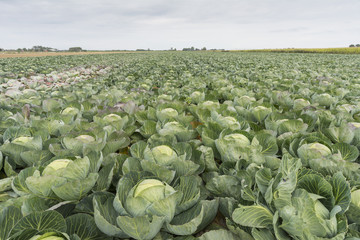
{"x": 176, "y": 145}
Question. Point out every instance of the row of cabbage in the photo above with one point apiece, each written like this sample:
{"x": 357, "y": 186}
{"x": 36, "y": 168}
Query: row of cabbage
{"x": 182, "y": 146}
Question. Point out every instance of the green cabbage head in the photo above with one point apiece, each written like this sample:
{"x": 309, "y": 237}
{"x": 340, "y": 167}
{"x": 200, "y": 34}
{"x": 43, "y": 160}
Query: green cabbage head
{"x": 111, "y": 118}
{"x": 324, "y": 99}
{"x": 147, "y": 192}
{"x": 23, "y": 141}
{"x": 70, "y": 111}
{"x": 78, "y": 143}
{"x": 63, "y": 179}
{"x": 47, "y": 236}
{"x": 162, "y": 155}
{"x": 313, "y": 151}
{"x": 230, "y": 122}
{"x": 244, "y": 101}
{"x": 197, "y": 97}
{"x": 144, "y": 205}
{"x": 85, "y": 138}
{"x": 175, "y": 128}
{"x": 166, "y": 114}
{"x": 354, "y": 125}
{"x": 210, "y": 105}
{"x": 55, "y": 167}
{"x": 354, "y": 210}
{"x": 231, "y": 146}
{"x": 300, "y": 103}
{"x": 34, "y": 143}
{"x": 259, "y": 113}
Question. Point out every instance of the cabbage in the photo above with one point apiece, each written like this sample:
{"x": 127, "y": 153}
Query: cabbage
{"x": 146, "y": 193}
{"x": 70, "y": 111}
{"x": 167, "y": 113}
{"x": 164, "y": 97}
{"x": 354, "y": 125}
{"x": 259, "y": 113}
{"x": 197, "y": 97}
{"x": 237, "y": 139}
{"x": 56, "y": 165}
{"x": 313, "y": 151}
{"x": 46, "y": 237}
{"x": 111, "y": 118}
{"x": 324, "y": 99}
{"x": 151, "y": 189}
{"x": 244, "y": 101}
{"x": 163, "y": 154}
{"x": 23, "y": 141}
{"x": 210, "y": 105}
{"x": 232, "y": 146}
{"x": 85, "y": 138}
{"x": 354, "y": 209}
{"x": 300, "y": 104}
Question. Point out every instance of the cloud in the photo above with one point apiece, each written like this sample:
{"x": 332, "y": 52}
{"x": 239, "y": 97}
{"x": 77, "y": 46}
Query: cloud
{"x": 289, "y": 30}
{"x": 161, "y": 24}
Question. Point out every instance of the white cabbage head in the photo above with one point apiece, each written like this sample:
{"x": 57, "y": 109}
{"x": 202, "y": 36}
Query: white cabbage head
{"x": 70, "y": 111}
{"x": 313, "y": 151}
{"x": 300, "y": 104}
{"x": 23, "y": 141}
{"x": 238, "y": 139}
{"x": 55, "y": 166}
{"x": 163, "y": 154}
{"x": 85, "y": 138}
{"x": 354, "y": 210}
{"x": 167, "y": 113}
{"x": 197, "y": 96}
{"x": 111, "y": 118}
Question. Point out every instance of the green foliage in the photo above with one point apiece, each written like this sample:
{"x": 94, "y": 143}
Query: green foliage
{"x": 180, "y": 145}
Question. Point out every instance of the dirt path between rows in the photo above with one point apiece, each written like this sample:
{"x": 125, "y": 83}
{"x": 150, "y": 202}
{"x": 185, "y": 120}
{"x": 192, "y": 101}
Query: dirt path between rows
{"x": 43, "y": 54}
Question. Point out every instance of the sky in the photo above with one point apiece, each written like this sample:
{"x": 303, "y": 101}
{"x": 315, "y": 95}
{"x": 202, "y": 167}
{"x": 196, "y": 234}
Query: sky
{"x": 162, "y": 24}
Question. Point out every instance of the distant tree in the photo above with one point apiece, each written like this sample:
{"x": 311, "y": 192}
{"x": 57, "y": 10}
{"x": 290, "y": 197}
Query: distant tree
{"x": 357, "y": 45}
{"x": 191, "y": 49}
{"x": 75, "y": 49}
{"x": 19, "y": 50}
{"x": 203, "y": 49}
{"x": 1, "y": 49}
{"x": 352, "y": 45}
{"x": 38, "y": 49}
{"x": 24, "y": 49}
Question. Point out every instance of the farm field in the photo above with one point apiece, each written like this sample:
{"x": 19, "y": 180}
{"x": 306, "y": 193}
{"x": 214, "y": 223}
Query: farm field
{"x": 180, "y": 145}
{"x": 345, "y": 50}
{"x": 44, "y": 54}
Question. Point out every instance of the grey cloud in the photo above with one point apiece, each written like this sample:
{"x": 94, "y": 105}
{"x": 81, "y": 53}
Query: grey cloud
{"x": 160, "y": 24}
{"x": 296, "y": 29}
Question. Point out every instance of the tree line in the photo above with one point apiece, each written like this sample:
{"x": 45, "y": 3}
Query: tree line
{"x": 44, "y": 49}
{"x": 194, "y": 49}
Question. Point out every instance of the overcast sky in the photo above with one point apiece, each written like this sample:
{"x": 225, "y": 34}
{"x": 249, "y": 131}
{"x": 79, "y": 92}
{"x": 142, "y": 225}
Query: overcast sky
{"x": 161, "y": 24}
